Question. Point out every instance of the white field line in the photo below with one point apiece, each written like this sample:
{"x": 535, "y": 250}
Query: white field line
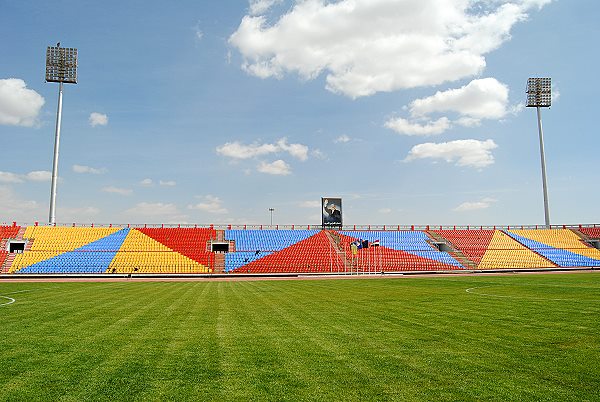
{"x": 10, "y": 299}
{"x": 19, "y": 291}
{"x": 471, "y": 291}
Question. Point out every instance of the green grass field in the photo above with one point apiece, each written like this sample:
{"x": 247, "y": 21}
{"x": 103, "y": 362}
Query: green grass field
{"x": 521, "y": 337}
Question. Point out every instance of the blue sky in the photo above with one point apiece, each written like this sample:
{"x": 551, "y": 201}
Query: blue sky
{"x": 214, "y": 112}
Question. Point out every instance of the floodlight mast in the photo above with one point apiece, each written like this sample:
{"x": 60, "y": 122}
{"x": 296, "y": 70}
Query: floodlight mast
{"x": 539, "y": 95}
{"x": 52, "y": 215}
{"x": 61, "y": 67}
{"x": 271, "y": 211}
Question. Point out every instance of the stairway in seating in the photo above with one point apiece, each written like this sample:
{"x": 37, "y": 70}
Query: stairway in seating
{"x": 336, "y": 243}
{"x": 219, "y": 263}
{"x": 21, "y": 233}
{"x": 218, "y": 260}
{"x": 5, "y": 267}
{"x": 7, "y": 263}
{"x": 584, "y": 238}
{"x": 455, "y": 253}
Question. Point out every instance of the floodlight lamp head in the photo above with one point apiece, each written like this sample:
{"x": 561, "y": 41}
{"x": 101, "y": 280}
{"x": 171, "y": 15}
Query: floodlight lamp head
{"x": 61, "y": 64}
{"x": 539, "y": 92}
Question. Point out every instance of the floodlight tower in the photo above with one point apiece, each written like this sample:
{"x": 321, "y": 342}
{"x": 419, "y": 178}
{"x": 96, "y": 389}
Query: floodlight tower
{"x": 61, "y": 67}
{"x": 539, "y": 95}
{"x": 271, "y": 211}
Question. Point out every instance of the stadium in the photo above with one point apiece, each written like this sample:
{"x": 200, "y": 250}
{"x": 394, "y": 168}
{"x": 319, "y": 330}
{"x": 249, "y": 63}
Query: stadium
{"x": 116, "y": 250}
{"x": 154, "y": 275}
{"x": 209, "y": 313}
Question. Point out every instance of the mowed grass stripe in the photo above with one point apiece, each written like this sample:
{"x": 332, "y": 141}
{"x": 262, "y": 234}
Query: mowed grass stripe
{"x": 383, "y": 339}
{"x": 77, "y": 333}
{"x": 188, "y": 364}
{"x": 144, "y": 334}
{"x": 81, "y": 329}
{"x": 384, "y": 332}
{"x": 340, "y": 372}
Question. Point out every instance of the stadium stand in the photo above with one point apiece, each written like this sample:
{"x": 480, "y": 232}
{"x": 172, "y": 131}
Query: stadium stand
{"x": 266, "y": 240}
{"x": 592, "y": 233}
{"x": 190, "y": 242}
{"x": 265, "y": 251}
{"x": 142, "y": 252}
{"x": 125, "y": 250}
{"x": 504, "y": 252}
{"x": 48, "y": 242}
{"x": 492, "y": 249}
{"x": 93, "y": 257}
{"x": 472, "y": 243}
{"x": 561, "y": 246}
{"x": 6, "y": 233}
{"x": 399, "y": 251}
{"x": 3, "y": 255}
{"x": 97, "y": 250}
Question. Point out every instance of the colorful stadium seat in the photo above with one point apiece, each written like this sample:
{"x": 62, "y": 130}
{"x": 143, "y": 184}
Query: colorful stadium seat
{"x": 561, "y": 246}
{"x": 400, "y": 251}
{"x": 86, "y": 250}
{"x": 592, "y": 233}
{"x": 278, "y": 251}
{"x": 48, "y": 242}
{"x": 141, "y": 253}
{"x": 472, "y": 243}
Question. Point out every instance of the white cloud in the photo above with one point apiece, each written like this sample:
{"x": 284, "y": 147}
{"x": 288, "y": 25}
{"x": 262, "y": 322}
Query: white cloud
{"x": 39, "y": 175}
{"x": 342, "y": 139}
{"x": 516, "y": 108}
{"x": 164, "y": 183}
{"x": 88, "y": 169}
{"x": 198, "y": 32}
{"x": 19, "y": 106}
{"x": 8, "y": 177}
{"x": 468, "y": 122}
{"x": 367, "y": 46}
{"x": 12, "y": 207}
{"x": 310, "y": 204}
{"x": 406, "y": 127}
{"x": 98, "y": 119}
{"x": 78, "y": 214}
{"x": 318, "y": 154}
{"x": 473, "y": 153}
{"x": 485, "y": 98}
{"x": 298, "y": 151}
{"x": 117, "y": 190}
{"x": 385, "y": 210}
{"x": 476, "y": 205}
{"x": 237, "y": 150}
{"x": 211, "y": 205}
{"x": 278, "y": 167}
{"x": 555, "y": 94}
{"x": 261, "y": 6}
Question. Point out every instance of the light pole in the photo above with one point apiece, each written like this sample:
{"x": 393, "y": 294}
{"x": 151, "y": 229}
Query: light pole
{"x": 271, "y": 211}
{"x": 539, "y": 95}
{"x": 61, "y": 67}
